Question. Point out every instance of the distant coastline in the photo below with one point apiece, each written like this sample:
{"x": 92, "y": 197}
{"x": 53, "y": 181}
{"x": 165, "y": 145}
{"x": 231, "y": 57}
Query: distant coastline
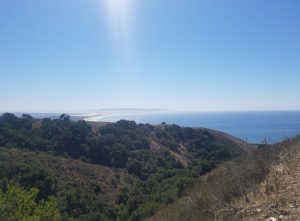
{"x": 250, "y": 126}
{"x": 119, "y": 113}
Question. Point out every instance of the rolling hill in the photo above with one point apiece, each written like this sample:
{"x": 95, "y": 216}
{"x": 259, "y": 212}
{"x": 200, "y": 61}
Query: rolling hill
{"x": 116, "y": 171}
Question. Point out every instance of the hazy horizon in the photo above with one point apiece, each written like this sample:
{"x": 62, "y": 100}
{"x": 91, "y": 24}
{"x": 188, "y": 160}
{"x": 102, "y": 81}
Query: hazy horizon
{"x": 197, "y": 55}
{"x": 141, "y": 110}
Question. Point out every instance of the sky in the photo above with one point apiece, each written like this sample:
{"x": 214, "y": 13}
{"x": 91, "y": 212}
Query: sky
{"x": 194, "y": 55}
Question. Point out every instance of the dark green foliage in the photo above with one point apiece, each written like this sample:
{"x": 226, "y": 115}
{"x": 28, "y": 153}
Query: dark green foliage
{"x": 135, "y": 167}
{"x": 114, "y": 145}
{"x": 27, "y": 176}
{"x": 146, "y": 155}
{"x": 144, "y": 211}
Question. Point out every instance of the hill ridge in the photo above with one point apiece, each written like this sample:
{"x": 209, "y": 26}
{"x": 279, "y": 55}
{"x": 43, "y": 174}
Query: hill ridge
{"x": 138, "y": 168}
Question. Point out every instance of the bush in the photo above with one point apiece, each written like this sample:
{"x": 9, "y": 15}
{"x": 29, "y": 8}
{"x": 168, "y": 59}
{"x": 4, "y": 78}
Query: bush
{"x": 18, "y": 204}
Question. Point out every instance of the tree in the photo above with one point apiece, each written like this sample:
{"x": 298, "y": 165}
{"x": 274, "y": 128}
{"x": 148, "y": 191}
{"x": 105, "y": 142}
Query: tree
{"x": 118, "y": 156}
{"x": 65, "y": 117}
{"x": 19, "y": 204}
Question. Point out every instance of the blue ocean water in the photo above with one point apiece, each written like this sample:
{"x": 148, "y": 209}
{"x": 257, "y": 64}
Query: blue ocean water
{"x": 254, "y": 127}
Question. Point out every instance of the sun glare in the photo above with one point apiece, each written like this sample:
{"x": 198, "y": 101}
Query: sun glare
{"x": 120, "y": 16}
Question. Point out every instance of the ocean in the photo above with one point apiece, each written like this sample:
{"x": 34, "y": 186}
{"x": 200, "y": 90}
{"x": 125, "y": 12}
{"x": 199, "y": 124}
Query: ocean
{"x": 254, "y": 127}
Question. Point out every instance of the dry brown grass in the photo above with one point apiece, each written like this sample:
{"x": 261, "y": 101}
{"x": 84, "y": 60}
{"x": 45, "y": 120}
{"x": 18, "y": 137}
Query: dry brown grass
{"x": 258, "y": 185}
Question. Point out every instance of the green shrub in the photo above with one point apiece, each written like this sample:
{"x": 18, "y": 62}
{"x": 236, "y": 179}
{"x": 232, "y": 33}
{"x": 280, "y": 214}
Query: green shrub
{"x": 18, "y": 204}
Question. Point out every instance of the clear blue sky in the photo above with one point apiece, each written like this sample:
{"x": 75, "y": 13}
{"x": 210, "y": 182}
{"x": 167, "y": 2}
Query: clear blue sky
{"x": 202, "y": 55}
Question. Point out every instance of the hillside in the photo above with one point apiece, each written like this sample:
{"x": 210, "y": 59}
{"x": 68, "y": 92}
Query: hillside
{"x": 120, "y": 171}
{"x": 277, "y": 197}
{"x": 76, "y": 184}
{"x": 260, "y": 185}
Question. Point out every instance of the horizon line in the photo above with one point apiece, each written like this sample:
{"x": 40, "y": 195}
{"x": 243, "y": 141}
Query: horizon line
{"x": 146, "y": 109}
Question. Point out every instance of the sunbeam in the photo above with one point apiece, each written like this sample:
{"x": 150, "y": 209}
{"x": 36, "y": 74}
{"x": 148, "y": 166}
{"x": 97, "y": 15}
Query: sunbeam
{"x": 120, "y": 17}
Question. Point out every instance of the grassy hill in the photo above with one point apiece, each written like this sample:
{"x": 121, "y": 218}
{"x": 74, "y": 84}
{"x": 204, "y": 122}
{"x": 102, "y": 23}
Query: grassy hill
{"x": 260, "y": 185}
{"x": 120, "y": 171}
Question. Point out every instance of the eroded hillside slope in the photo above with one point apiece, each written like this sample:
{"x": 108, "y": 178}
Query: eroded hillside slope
{"x": 278, "y": 197}
{"x": 260, "y": 185}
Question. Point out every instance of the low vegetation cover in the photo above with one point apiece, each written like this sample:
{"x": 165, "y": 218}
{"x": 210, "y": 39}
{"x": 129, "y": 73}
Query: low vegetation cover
{"x": 119, "y": 171}
{"x": 227, "y": 192}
